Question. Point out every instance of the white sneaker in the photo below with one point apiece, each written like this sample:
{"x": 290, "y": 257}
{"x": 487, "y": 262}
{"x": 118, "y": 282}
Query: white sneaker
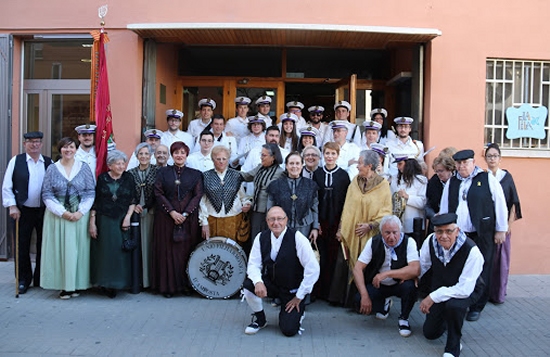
{"x": 387, "y": 306}
{"x": 254, "y": 327}
{"x": 404, "y": 328}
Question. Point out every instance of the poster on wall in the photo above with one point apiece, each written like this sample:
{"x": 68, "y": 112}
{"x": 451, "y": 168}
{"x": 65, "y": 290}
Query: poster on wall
{"x": 526, "y": 121}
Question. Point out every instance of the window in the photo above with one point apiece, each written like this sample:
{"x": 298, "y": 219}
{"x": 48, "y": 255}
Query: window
{"x": 512, "y": 83}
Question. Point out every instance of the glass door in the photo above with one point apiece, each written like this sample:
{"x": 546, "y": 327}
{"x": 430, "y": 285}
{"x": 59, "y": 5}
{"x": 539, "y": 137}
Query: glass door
{"x": 55, "y": 108}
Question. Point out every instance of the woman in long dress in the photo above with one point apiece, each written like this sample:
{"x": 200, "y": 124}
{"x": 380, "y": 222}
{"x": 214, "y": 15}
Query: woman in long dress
{"x": 333, "y": 185}
{"x": 269, "y": 170}
{"x": 501, "y": 258}
{"x": 68, "y": 193}
{"x": 144, "y": 178}
{"x": 368, "y": 200}
{"x": 114, "y": 204}
{"x": 178, "y": 191}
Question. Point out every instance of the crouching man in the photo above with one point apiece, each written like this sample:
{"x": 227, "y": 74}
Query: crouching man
{"x": 456, "y": 264}
{"x": 281, "y": 265}
{"x": 388, "y": 266}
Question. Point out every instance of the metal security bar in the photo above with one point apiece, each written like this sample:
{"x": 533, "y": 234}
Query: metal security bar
{"x": 512, "y": 83}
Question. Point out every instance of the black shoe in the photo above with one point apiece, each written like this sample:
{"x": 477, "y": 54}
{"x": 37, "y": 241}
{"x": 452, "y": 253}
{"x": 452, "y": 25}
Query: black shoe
{"x": 167, "y": 295}
{"x": 473, "y": 316}
{"x": 23, "y": 288}
{"x": 258, "y": 323}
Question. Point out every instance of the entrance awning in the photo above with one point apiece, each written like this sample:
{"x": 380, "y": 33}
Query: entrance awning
{"x": 285, "y": 35}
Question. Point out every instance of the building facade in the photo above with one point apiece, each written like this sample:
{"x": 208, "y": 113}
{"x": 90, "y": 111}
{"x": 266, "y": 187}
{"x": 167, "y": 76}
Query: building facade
{"x": 454, "y": 67}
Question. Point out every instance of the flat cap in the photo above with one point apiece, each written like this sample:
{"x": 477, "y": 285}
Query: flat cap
{"x": 33, "y": 135}
{"x": 444, "y": 219}
{"x": 463, "y": 155}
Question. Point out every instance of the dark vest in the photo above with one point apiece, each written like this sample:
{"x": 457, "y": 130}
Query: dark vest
{"x": 21, "y": 176}
{"x": 480, "y": 204}
{"x": 286, "y": 272}
{"x": 379, "y": 255}
{"x": 448, "y": 275}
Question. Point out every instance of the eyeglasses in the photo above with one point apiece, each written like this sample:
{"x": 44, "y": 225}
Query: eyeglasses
{"x": 311, "y": 155}
{"x": 463, "y": 162}
{"x": 490, "y": 157}
{"x": 440, "y": 171}
{"x": 276, "y": 219}
{"x": 34, "y": 142}
{"x": 315, "y": 114}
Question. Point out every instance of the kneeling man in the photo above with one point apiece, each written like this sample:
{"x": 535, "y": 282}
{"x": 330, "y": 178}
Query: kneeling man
{"x": 388, "y": 266}
{"x": 456, "y": 264}
{"x": 281, "y": 265}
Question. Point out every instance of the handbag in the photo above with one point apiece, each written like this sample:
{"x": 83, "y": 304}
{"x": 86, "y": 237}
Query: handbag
{"x": 131, "y": 238}
{"x": 129, "y": 243}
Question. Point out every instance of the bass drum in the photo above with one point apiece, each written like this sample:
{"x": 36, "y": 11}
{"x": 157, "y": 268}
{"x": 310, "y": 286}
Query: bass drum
{"x": 217, "y": 268}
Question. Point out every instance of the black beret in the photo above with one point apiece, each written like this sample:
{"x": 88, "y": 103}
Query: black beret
{"x": 463, "y": 155}
{"x": 444, "y": 219}
{"x": 33, "y": 135}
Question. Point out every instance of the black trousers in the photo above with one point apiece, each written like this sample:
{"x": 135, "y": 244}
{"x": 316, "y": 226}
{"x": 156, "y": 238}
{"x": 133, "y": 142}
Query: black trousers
{"x": 31, "y": 219}
{"x": 406, "y": 291}
{"x": 448, "y": 315}
{"x": 289, "y": 322}
{"x": 487, "y": 248}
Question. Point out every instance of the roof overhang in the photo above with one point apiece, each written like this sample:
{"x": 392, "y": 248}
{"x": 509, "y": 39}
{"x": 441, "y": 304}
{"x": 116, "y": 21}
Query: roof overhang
{"x": 284, "y": 35}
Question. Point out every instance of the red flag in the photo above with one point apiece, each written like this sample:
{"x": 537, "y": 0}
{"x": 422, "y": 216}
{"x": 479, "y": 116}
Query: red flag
{"x": 103, "y": 118}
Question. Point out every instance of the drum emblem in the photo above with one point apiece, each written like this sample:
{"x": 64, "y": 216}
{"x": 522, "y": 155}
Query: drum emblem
{"x": 216, "y": 270}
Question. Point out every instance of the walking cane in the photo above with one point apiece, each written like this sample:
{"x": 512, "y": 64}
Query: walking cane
{"x": 17, "y": 258}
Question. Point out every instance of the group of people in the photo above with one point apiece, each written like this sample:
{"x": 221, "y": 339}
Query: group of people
{"x": 360, "y": 197}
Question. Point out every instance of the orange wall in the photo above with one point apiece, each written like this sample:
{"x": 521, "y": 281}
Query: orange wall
{"x": 455, "y": 67}
{"x": 167, "y": 70}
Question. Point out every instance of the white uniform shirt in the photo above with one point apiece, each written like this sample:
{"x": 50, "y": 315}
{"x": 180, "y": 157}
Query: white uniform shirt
{"x": 247, "y": 144}
{"x": 467, "y": 280}
{"x": 238, "y": 127}
{"x": 88, "y": 157}
{"x": 267, "y": 119}
{"x": 196, "y": 127}
{"x": 200, "y": 162}
{"x": 366, "y": 256}
{"x": 320, "y": 138}
{"x": 305, "y": 256}
{"x": 36, "y": 177}
{"x": 464, "y": 220}
{"x": 410, "y": 147}
{"x": 348, "y": 151}
{"x": 416, "y": 202}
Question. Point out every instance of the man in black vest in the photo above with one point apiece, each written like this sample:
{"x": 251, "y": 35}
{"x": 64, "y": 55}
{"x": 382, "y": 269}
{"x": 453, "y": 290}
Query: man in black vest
{"x": 281, "y": 264}
{"x": 478, "y": 200}
{"x": 21, "y": 194}
{"x": 388, "y": 266}
{"x": 455, "y": 264}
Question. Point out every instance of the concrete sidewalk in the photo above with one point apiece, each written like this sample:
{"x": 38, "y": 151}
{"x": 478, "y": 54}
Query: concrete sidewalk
{"x": 40, "y": 324}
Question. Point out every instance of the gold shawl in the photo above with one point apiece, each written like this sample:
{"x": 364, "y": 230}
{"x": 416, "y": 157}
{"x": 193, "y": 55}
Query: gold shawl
{"x": 368, "y": 207}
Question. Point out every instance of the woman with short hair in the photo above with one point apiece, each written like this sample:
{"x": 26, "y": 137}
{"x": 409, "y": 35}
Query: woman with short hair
{"x": 144, "y": 180}
{"x": 115, "y": 201}
{"x": 178, "y": 190}
{"x": 368, "y": 200}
